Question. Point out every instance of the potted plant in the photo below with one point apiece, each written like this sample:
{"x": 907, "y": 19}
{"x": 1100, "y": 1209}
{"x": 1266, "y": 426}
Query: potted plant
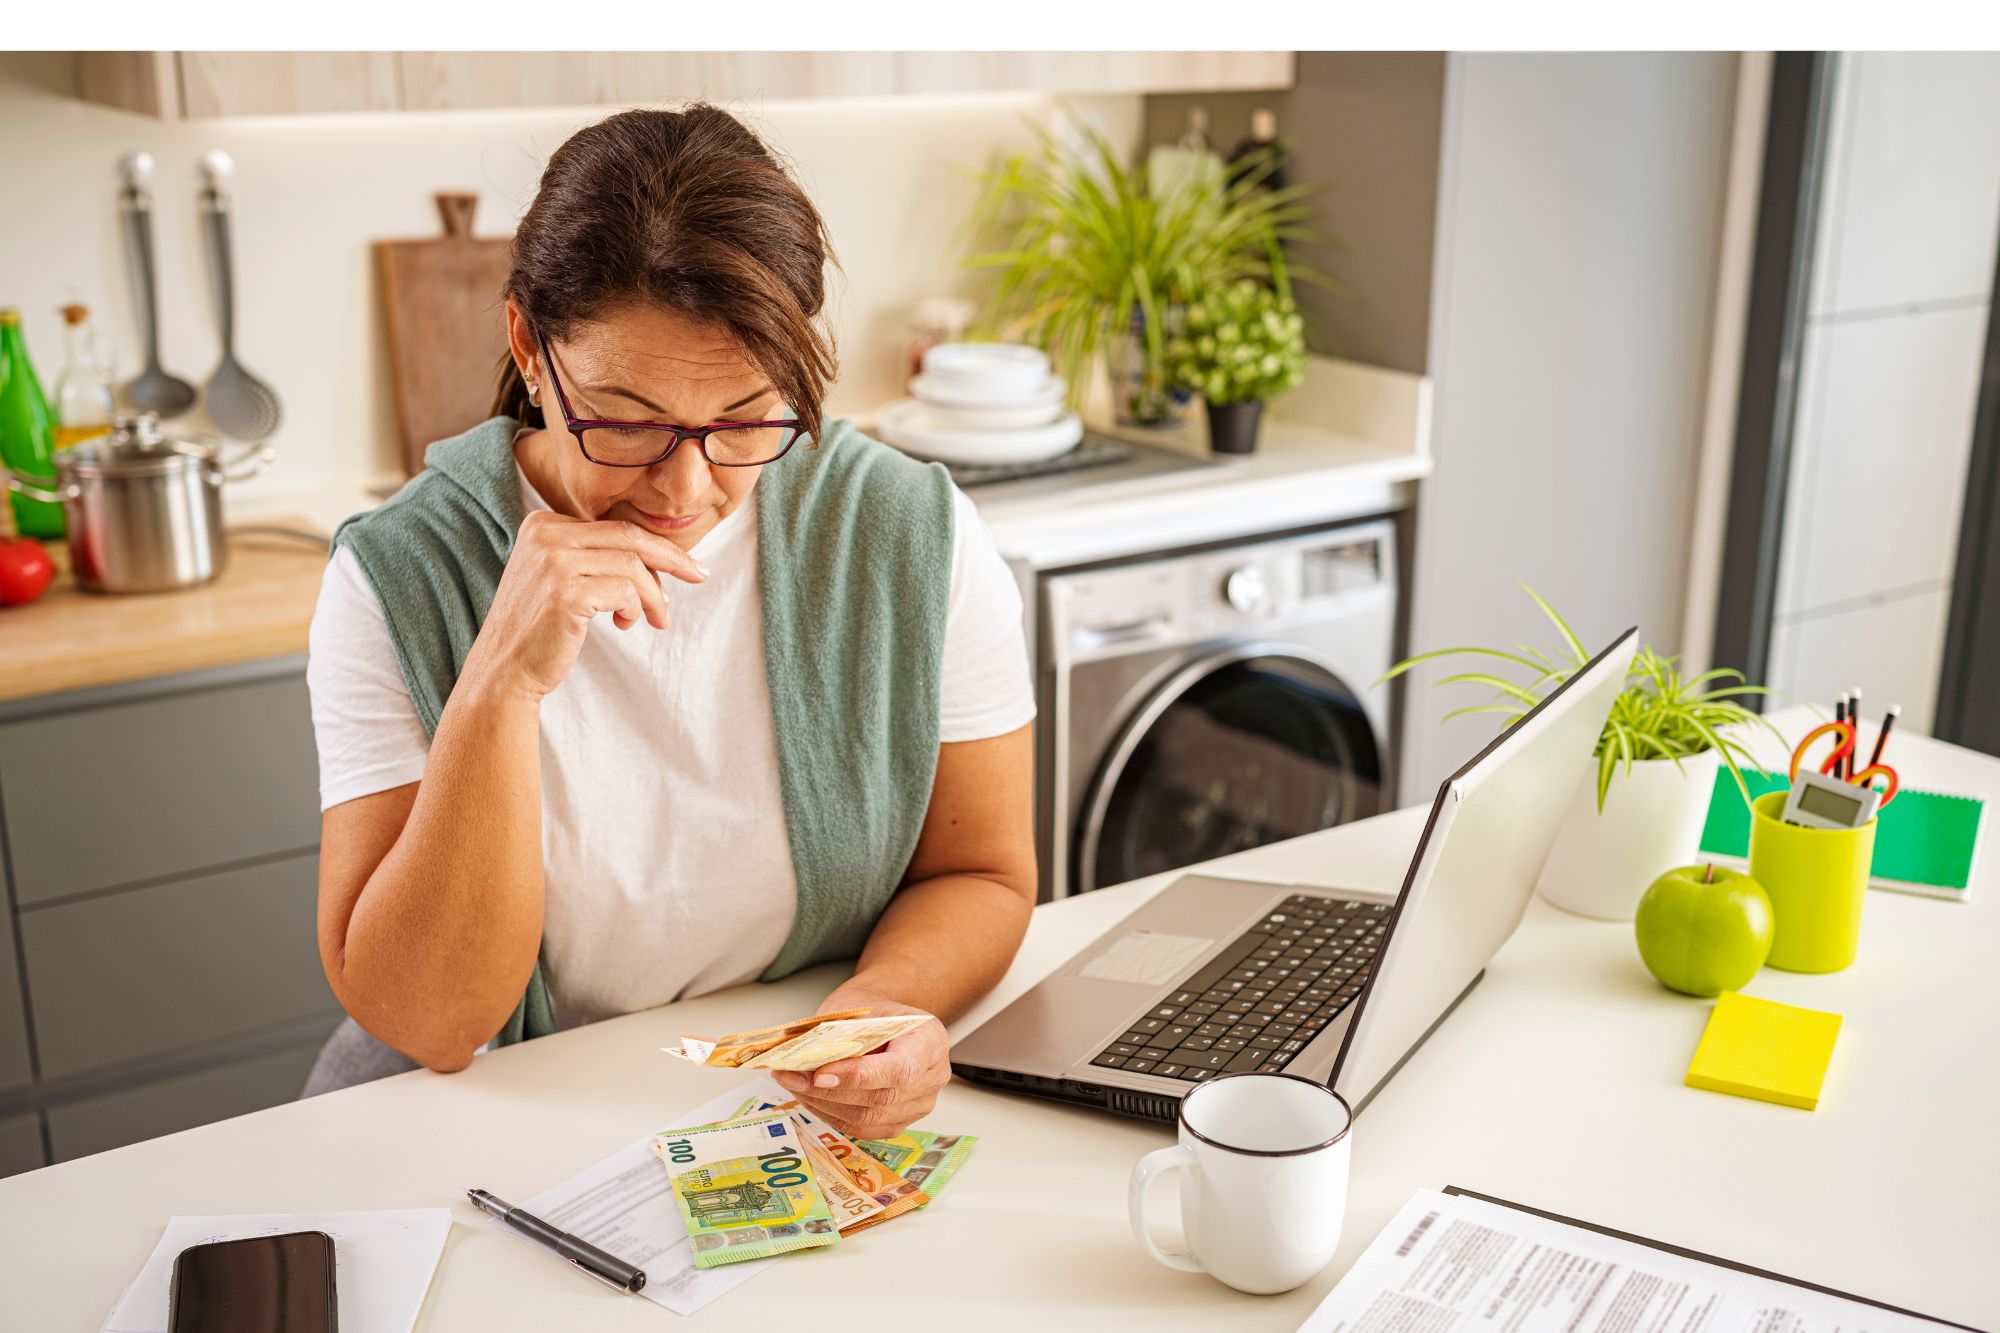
{"x": 1238, "y": 347}
{"x": 1089, "y": 257}
{"x": 1651, "y": 776}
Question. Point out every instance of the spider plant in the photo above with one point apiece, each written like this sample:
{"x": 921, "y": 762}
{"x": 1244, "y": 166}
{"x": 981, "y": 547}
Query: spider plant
{"x": 1660, "y": 714}
{"x": 1086, "y": 245}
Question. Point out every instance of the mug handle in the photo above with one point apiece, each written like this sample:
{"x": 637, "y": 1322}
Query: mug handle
{"x": 1154, "y": 1164}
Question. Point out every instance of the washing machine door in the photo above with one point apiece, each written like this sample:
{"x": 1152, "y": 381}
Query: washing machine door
{"x": 1239, "y": 749}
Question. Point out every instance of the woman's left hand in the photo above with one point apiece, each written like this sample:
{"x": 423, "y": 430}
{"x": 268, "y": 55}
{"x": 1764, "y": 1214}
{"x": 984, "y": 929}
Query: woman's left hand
{"x": 879, "y": 1095}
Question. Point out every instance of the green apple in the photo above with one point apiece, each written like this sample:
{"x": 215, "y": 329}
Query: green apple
{"x": 1704, "y": 929}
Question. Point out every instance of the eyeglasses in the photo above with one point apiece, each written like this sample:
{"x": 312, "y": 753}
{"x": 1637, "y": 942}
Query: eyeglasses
{"x": 638, "y": 443}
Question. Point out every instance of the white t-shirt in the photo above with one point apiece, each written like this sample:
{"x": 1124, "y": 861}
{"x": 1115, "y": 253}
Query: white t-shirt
{"x": 667, "y": 867}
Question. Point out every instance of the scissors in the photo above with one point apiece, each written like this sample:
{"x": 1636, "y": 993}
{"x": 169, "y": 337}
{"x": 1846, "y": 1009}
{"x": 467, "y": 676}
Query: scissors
{"x": 1843, "y": 735}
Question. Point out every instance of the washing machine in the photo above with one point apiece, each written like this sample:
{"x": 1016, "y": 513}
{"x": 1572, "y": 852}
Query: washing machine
{"x": 1205, "y": 701}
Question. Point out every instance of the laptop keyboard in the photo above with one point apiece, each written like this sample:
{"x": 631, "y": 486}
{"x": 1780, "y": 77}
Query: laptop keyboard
{"x": 1260, "y": 1001}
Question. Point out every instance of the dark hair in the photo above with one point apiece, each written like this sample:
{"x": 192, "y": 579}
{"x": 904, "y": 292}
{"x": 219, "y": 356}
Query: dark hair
{"x": 688, "y": 210}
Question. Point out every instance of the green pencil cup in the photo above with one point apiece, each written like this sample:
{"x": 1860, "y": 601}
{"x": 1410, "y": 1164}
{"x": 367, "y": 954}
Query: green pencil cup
{"x": 1817, "y": 880}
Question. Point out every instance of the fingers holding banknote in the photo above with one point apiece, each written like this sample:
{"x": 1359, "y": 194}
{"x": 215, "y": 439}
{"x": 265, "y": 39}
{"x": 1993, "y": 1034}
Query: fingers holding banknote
{"x": 877, "y": 1096}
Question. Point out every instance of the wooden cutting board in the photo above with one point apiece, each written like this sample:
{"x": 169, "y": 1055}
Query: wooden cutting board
{"x": 447, "y": 327}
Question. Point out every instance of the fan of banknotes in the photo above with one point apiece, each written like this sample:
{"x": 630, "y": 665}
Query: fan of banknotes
{"x": 775, "y": 1178}
{"x": 806, "y": 1043}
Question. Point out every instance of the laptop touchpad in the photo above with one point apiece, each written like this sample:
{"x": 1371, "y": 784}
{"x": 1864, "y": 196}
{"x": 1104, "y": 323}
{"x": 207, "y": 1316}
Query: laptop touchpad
{"x": 1150, "y": 957}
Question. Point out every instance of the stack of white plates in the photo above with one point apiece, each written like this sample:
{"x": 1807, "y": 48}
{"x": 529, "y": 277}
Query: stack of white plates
{"x": 982, "y": 403}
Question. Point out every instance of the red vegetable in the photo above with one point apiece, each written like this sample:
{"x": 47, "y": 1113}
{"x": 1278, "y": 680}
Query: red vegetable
{"x": 25, "y": 570}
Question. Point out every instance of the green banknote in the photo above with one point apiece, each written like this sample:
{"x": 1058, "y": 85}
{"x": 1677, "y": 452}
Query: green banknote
{"x": 745, "y": 1189}
{"x": 923, "y": 1158}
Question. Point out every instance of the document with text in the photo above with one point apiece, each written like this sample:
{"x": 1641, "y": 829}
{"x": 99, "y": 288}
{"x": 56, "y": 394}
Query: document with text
{"x": 1452, "y": 1263}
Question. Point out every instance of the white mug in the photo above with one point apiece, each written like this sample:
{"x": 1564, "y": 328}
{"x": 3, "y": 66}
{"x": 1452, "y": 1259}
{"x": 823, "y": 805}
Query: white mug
{"x": 1263, "y": 1161}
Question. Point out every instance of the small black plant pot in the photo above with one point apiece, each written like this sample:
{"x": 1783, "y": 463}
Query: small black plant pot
{"x": 1232, "y": 427}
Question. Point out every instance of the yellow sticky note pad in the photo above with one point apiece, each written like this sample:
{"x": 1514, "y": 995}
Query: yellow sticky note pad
{"x": 1759, "y": 1048}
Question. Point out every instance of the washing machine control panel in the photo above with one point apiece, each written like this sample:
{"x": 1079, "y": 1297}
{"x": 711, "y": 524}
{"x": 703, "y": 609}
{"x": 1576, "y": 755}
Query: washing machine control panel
{"x": 1127, "y": 608}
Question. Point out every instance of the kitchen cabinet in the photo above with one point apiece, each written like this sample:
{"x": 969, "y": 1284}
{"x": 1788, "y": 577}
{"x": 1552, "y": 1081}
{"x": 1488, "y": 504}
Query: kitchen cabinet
{"x": 174, "y": 967}
{"x": 198, "y": 84}
{"x": 15, "y": 1067}
{"x": 169, "y": 1105}
{"x": 20, "y": 1143}
{"x": 1080, "y": 72}
{"x": 215, "y": 777}
{"x": 450, "y": 80}
{"x": 160, "y": 895}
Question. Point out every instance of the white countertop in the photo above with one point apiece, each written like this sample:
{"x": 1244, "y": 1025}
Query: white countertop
{"x": 1298, "y": 476}
{"x": 1557, "y": 1083}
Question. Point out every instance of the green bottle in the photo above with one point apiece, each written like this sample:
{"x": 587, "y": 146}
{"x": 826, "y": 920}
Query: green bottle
{"x": 27, "y": 433}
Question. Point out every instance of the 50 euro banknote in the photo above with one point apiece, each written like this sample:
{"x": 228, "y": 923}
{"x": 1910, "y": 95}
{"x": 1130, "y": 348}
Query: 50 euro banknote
{"x": 806, "y": 1043}
{"x": 745, "y": 1189}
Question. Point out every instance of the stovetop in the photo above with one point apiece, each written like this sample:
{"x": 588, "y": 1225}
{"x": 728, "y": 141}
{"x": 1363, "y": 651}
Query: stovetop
{"x": 1099, "y": 458}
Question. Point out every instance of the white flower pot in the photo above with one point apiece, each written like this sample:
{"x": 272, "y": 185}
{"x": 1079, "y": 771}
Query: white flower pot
{"x": 1603, "y": 862}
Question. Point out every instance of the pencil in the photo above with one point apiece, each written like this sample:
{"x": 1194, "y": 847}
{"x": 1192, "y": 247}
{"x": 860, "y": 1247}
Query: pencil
{"x": 1882, "y": 736}
{"x": 1854, "y": 715}
{"x": 1839, "y": 715}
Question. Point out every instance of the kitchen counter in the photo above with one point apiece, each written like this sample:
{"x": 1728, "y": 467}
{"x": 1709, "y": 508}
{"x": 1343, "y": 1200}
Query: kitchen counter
{"x": 71, "y": 639}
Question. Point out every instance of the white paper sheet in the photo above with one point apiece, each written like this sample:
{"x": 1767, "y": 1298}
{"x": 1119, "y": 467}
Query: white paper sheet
{"x": 383, "y": 1262}
{"x": 624, "y": 1205}
{"x": 1449, "y": 1264}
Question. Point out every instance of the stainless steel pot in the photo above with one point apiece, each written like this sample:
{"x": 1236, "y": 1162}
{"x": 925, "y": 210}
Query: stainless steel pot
{"x": 144, "y": 512}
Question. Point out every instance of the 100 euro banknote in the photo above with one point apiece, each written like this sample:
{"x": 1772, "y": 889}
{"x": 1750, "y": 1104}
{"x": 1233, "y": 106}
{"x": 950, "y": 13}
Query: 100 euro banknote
{"x": 745, "y": 1189}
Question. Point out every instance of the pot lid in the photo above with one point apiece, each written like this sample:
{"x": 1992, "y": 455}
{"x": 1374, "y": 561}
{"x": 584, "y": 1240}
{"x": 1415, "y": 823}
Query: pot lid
{"x": 134, "y": 448}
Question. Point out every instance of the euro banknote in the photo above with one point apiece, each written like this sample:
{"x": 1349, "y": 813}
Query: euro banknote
{"x": 878, "y": 1184}
{"x": 802, "y": 1045}
{"x": 731, "y": 1051}
{"x": 745, "y": 1189}
{"x": 925, "y": 1159}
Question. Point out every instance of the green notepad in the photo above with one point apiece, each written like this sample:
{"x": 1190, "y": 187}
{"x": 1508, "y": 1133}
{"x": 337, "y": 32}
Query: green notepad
{"x": 1925, "y": 842}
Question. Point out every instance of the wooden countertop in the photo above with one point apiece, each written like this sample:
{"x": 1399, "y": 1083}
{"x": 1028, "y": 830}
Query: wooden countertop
{"x": 70, "y": 639}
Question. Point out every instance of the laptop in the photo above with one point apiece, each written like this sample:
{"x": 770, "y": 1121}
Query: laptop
{"x": 1215, "y": 976}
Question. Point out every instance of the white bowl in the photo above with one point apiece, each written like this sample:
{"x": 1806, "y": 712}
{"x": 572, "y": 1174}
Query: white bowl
{"x": 906, "y": 424}
{"x": 1046, "y": 395}
{"x": 987, "y": 371}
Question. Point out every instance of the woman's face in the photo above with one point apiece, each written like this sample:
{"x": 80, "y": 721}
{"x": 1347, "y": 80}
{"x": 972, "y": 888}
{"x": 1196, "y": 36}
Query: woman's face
{"x": 643, "y": 363}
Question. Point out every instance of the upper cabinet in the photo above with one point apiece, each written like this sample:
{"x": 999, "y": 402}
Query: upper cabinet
{"x": 191, "y": 84}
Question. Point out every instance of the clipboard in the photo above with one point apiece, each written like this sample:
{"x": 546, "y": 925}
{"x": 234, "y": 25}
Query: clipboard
{"x": 1699, "y": 1257}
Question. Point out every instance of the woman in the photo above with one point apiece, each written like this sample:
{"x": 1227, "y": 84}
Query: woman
{"x": 655, "y": 684}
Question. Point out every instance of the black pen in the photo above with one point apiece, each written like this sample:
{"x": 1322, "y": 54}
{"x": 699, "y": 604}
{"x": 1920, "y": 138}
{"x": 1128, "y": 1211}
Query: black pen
{"x": 606, "y": 1268}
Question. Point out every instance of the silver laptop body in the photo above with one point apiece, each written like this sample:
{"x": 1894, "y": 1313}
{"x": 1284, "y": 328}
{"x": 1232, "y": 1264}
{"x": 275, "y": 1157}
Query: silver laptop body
{"x": 1209, "y": 971}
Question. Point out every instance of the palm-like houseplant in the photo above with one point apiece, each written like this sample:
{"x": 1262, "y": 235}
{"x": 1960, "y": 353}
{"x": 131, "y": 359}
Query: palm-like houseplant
{"x": 1089, "y": 251}
{"x": 1676, "y": 726}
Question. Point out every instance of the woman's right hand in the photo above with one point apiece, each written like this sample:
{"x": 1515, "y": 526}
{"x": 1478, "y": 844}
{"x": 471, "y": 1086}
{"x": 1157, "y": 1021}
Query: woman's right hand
{"x": 564, "y": 572}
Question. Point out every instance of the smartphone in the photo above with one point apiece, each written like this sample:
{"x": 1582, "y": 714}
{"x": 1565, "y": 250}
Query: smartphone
{"x": 263, "y": 1284}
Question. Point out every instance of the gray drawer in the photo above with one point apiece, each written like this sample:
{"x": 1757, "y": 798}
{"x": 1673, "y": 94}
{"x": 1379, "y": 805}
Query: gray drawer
{"x": 15, "y": 1071}
{"x": 141, "y": 791}
{"x": 143, "y": 973}
{"x": 171, "y": 1105}
{"x": 21, "y": 1144}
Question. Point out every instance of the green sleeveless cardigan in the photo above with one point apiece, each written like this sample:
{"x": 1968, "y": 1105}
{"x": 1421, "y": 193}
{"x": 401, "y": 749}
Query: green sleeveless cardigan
{"x": 854, "y": 553}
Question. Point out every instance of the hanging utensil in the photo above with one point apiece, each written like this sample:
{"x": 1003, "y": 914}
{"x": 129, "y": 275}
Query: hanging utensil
{"x": 241, "y": 405}
{"x": 154, "y": 390}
